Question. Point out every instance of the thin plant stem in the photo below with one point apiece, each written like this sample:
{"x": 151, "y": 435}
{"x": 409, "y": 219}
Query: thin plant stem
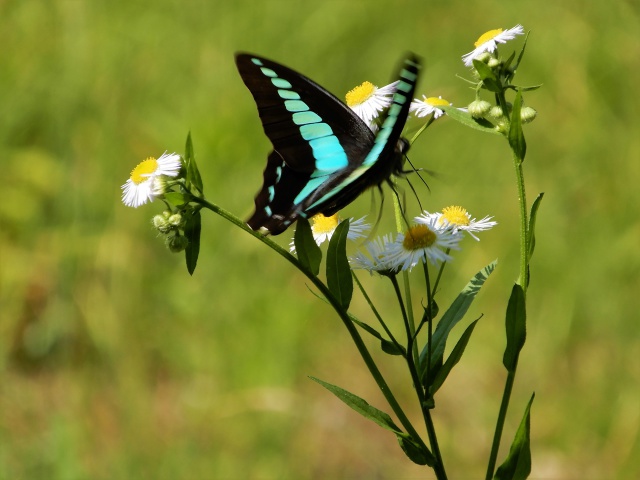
{"x": 431, "y": 430}
{"x": 433, "y": 440}
{"x": 523, "y": 280}
{"x": 405, "y": 280}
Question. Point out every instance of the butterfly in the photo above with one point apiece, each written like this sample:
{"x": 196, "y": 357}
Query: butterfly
{"x": 324, "y": 156}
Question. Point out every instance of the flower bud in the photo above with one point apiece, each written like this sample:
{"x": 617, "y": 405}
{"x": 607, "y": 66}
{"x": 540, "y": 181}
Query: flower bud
{"x": 161, "y": 224}
{"x": 493, "y": 62}
{"x": 527, "y": 114}
{"x": 496, "y": 112}
{"x": 177, "y": 243}
{"x": 176, "y": 220}
{"x": 479, "y": 108}
{"x": 502, "y": 126}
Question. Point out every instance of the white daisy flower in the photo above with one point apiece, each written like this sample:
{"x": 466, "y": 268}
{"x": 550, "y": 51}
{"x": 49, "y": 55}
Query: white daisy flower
{"x": 427, "y": 106}
{"x": 488, "y": 42}
{"x": 323, "y": 228}
{"x": 367, "y": 101}
{"x": 458, "y": 219}
{"x": 146, "y": 181}
{"x": 423, "y": 242}
{"x": 376, "y": 259}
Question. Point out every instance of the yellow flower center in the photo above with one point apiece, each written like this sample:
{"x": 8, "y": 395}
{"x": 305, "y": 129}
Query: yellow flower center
{"x": 143, "y": 170}
{"x": 485, "y": 37}
{"x": 417, "y": 237}
{"x": 322, "y": 224}
{"x": 360, "y": 94}
{"x": 455, "y": 216}
{"x": 436, "y": 101}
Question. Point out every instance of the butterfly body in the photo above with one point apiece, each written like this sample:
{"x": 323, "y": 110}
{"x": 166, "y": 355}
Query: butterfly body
{"x": 324, "y": 156}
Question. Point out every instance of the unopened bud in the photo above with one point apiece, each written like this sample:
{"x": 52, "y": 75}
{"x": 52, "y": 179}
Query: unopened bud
{"x": 527, "y": 114}
{"x": 177, "y": 243}
{"x": 479, "y": 108}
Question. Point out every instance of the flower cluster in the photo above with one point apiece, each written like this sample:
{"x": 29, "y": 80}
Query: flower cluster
{"x": 430, "y": 239}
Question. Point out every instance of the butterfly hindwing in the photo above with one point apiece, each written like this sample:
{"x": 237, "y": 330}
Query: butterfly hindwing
{"x": 324, "y": 154}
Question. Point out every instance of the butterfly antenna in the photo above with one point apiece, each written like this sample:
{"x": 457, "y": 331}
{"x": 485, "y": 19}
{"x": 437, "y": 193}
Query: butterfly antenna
{"x": 417, "y": 171}
{"x": 415, "y": 194}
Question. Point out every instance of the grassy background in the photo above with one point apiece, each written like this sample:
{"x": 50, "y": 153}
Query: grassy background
{"x": 114, "y": 363}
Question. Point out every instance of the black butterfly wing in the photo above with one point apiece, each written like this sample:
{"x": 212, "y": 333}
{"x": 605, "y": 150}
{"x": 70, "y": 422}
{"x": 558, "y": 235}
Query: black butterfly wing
{"x": 314, "y": 135}
{"x": 324, "y": 154}
{"x": 385, "y": 156}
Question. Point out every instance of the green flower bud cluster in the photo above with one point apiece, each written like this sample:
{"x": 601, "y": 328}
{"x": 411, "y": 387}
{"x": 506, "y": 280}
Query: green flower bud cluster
{"x": 170, "y": 224}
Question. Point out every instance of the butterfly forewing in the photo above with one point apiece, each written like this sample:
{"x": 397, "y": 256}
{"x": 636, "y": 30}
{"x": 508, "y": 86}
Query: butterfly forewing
{"x": 324, "y": 154}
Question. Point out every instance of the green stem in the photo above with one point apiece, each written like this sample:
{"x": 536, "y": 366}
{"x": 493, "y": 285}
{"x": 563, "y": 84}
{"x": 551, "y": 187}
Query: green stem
{"x": 504, "y": 406}
{"x": 344, "y": 316}
{"x": 426, "y": 412}
{"x": 523, "y": 281}
{"x": 524, "y": 248}
{"x": 417, "y": 385}
{"x": 405, "y": 279}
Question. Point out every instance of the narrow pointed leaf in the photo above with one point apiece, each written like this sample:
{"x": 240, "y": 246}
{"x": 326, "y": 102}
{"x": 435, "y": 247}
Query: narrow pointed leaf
{"x": 451, "y": 317}
{"x": 452, "y": 360}
{"x": 517, "y": 465}
{"x": 192, "y": 231}
{"x": 531, "y": 234}
{"x": 516, "y": 135}
{"x": 387, "y": 345}
{"x": 416, "y": 451}
{"x": 307, "y": 250}
{"x": 488, "y": 76}
{"x": 193, "y": 174}
{"x": 466, "y": 119}
{"x": 521, "y": 54}
{"x": 361, "y": 406}
{"x": 530, "y": 88}
{"x": 339, "y": 279}
{"x": 516, "y": 327}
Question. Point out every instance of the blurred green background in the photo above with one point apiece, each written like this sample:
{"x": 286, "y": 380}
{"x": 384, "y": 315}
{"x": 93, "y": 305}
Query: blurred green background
{"x": 115, "y": 363}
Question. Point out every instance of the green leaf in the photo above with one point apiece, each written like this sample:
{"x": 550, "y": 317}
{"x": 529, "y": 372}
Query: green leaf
{"x": 507, "y": 62}
{"x": 452, "y": 360}
{"x": 530, "y": 88}
{"x": 521, "y": 54}
{"x": 307, "y": 250}
{"x": 387, "y": 345}
{"x": 451, "y": 317}
{"x": 175, "y": 198}
{"x": 488, "y": 76}
{"x": 193, "y": 174}
{"x": 416, "y": 451}
{"x": 466, "y": 119}
{"x": 192, "y": 231}
{"x": 339, "y": 279}
{"x": 516, "y": 135}
{"x": 517, "y": 465}
{"x": 516, "y": 327}
{"x": 531, "y": 235}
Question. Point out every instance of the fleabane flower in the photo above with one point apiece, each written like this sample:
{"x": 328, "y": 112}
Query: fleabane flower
{"x": 424, "y": 241}
{"x": 458, "y": 219}
{"x": 377, "y": 257}
{"x": 147, "y": 180}
{"x": 488, "y": 42}
{"x": 367, "y": 101}
{"x": 324, "y": 227}
{"x": 427, "y": 106}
